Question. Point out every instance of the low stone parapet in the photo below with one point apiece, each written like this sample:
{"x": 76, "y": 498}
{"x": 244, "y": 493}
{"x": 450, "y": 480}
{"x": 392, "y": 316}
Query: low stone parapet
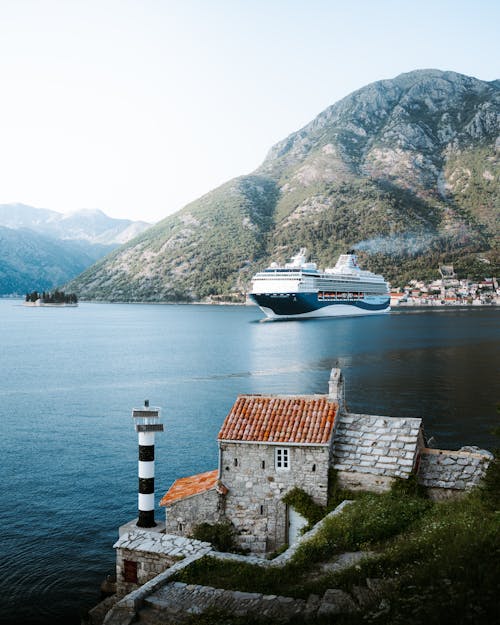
{"x": 442, "y": 470}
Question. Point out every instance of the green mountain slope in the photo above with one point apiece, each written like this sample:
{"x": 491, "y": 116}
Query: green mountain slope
{"x": 31, "y": 261}
{"x": 406, "y": 171}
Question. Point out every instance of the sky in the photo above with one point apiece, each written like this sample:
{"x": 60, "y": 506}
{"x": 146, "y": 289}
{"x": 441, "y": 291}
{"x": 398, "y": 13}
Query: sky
{"x": 137, "y": 107}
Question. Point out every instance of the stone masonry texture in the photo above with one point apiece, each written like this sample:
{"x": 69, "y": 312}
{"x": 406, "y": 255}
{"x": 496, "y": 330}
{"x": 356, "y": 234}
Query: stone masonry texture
{"x": 183, "y": 515}
{"x": 256, "y": 488}
{"x": 152, "y": 553}
{"x": 455, "y": 470}
{"x": 370, "y": 451}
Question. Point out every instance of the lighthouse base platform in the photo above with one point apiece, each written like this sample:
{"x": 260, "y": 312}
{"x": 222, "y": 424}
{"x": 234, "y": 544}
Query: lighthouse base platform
{"x": 159, "y": 528}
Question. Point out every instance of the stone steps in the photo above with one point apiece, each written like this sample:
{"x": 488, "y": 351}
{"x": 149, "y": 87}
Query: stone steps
{"x": 179, "y": 601}
{"x": 176, "y": 602}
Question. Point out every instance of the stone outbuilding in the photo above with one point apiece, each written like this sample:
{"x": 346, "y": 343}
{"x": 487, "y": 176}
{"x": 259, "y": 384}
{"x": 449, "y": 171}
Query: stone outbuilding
{"x": 370, "y": 451}
{"x": 193, "y": 499}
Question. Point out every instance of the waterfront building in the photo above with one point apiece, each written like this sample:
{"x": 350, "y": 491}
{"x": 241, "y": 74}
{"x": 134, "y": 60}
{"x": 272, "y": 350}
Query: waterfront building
{"x": 270, "y": 444}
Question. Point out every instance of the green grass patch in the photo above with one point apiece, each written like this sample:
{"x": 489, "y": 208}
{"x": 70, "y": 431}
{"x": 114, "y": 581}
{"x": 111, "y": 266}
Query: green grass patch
{"x": 445, "y": 566}
{"x": 362, "y": 525}
{"x": 443, "y": 560}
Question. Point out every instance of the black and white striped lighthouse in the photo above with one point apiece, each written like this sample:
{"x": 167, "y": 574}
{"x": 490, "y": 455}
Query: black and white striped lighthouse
{"x": 147, "y": 422}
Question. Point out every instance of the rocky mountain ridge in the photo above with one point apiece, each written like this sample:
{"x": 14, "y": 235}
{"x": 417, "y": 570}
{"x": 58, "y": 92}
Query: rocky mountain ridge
{"x": 406, "y": 171}
{"x": 90, "y": 225}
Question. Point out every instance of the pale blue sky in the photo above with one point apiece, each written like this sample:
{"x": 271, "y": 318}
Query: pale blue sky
{"x": 137, "y": 107}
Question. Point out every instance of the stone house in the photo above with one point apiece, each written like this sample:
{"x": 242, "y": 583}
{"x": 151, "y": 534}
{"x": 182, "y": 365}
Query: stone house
{"x": 269, "y": 444}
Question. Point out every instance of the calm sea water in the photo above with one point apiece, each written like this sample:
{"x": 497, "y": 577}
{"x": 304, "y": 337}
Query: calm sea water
{"x": 70, "y": 377}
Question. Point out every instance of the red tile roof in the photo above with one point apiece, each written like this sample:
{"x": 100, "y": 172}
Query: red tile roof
{"x": 193, "y": 485}
{"x": 273, "y": 419}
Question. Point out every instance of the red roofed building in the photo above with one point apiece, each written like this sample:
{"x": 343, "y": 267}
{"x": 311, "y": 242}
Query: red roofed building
{"x": 268, "y": 444}
{"x": 192, "y": 500}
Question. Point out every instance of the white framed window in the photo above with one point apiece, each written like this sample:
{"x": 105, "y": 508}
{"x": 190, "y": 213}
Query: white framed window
{"x": 282, "y": 458}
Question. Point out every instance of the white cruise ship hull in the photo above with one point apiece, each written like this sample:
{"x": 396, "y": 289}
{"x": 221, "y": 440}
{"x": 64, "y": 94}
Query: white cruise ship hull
{"x": 307, "y": 305}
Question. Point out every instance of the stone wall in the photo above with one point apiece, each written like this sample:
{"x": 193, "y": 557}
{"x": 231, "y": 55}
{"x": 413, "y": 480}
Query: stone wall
{"x": 150, "y": 553}
{"x": 161, "y": 601}
{"x": 370, "y": 451}
{"x": 125, "y": 610}
{"x": 447, "y": 473}
{"x": 256, "y": 489}
{"x": 183, "y": 515}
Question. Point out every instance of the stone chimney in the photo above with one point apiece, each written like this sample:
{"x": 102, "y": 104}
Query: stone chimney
{"x": 336, "y": 388}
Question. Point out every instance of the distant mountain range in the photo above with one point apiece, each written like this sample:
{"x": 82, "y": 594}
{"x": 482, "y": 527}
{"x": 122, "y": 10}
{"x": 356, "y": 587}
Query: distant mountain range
{"x": 41, "y": 249}
{"x": 405, "y": 171}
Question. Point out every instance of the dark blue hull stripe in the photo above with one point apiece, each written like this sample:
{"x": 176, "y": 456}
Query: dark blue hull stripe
{"x": 300, "y": 303}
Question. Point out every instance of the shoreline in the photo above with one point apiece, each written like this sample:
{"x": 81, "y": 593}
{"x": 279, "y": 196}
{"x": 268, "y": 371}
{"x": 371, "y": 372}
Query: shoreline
{"x": 398, "y": 306}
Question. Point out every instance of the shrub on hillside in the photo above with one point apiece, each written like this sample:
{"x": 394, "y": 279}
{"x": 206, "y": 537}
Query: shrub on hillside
{"x": 221, "y": 535}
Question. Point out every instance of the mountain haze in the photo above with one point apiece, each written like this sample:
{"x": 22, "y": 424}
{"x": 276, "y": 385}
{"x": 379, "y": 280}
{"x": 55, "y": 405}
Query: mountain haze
{"x": 90, "y": 225}
{"x": 405, "y": 171}
{"x": 41, "y": 249}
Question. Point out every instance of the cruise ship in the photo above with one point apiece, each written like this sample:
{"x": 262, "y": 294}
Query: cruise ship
{"x": 300, "y": 290}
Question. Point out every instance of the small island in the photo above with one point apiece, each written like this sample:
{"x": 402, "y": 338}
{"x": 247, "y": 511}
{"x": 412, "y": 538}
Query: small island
{"x": 47, "y": 298}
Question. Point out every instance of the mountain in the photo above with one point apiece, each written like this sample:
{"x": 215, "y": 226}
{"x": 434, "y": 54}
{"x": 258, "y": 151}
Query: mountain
{"x": 84, "y": 225}
{"x": 41, "y": 249}
{"x": 405, "y": 171}
{"x": 31, "y": 261}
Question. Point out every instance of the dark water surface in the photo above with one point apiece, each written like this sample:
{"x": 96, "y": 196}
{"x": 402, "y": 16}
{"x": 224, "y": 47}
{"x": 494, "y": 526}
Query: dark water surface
{"x": 70, "y": 377}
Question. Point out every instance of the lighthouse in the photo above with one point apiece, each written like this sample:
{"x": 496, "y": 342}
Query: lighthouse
{"x": 147, "y": 423}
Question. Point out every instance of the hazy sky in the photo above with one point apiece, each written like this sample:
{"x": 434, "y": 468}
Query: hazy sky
{"x": 137, "y": 107}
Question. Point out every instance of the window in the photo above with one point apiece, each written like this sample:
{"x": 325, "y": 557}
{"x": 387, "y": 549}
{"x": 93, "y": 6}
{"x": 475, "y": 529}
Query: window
{"x": 235, "y": 462}
{"x": 282, "y": 459}
{"x": 263, "y": 464}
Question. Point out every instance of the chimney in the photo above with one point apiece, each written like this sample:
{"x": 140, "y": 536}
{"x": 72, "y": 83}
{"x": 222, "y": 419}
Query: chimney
{"x": 336, "y": 388}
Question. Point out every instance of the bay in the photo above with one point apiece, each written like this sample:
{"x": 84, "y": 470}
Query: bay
{"x": 69, "y": 378}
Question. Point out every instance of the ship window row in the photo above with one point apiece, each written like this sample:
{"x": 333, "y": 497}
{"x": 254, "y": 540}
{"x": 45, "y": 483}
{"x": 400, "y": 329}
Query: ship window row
{"x": 340, "y": 295}
{"x": 365, "y": 288}
{"x": 278, "y": 277}
{"x": 335, "y": 295}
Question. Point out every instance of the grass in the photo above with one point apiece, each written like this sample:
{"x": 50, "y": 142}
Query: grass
{"x": 365, "y": 524}
{"x": 362, "y": 525}
{"x": 442, "y": 560}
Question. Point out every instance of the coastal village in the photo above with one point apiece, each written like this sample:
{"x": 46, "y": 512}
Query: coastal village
{"x": 274, "y": 451}
{"x": 448, "y": 290}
